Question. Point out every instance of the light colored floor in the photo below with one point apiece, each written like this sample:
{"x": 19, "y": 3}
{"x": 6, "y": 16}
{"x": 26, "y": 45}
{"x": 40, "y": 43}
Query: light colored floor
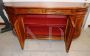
{"x": 9, "y": 46}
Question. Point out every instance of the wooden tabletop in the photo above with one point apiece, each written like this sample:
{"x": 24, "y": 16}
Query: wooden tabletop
{"x": 46, "y": 4}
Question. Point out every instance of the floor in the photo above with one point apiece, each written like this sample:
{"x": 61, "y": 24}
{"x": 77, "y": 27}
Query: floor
{"x": 9, "y": 46}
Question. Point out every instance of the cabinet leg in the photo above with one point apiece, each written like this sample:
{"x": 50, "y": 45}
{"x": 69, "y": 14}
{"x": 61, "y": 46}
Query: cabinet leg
{"x": 68, "y": 47}
{"x": 21, "y": 44}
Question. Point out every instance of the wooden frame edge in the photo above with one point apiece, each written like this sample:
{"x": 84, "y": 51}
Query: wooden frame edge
{"x": 88, "y": 25}
{"x": 1, "y": 23}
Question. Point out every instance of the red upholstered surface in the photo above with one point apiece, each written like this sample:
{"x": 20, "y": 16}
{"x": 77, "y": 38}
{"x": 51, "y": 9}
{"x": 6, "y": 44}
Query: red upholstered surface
{"x": 40, "y": 24}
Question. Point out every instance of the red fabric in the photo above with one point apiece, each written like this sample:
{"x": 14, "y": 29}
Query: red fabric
{"x": 39, "y": 24}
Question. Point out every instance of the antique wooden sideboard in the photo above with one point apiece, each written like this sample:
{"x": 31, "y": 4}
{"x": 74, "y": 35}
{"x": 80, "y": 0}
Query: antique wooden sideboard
{"x": 40, "y": 20}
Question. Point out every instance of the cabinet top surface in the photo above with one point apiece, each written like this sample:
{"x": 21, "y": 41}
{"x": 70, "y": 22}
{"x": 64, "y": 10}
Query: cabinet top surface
{"x": 46, "y": 4}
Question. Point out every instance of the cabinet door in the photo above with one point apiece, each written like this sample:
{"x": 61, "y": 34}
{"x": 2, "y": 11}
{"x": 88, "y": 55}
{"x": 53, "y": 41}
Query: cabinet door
{"x": 19, "y": 29}
{"x": 69, "y": 33}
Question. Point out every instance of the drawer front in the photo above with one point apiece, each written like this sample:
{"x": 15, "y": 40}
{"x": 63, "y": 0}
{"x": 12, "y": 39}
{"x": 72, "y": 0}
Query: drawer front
{"x": 29, "y": 11}
{"x": 41, "y": 11}
{"x": 79, "y": 11}
{"x": 58, "y": 11}
{"x": 37, "y": 11}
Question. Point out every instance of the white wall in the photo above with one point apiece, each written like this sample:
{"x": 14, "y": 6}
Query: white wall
{"x": 1, "y": 19}
{"x": 87, "y": 22}
{"x": 46, "y": 0}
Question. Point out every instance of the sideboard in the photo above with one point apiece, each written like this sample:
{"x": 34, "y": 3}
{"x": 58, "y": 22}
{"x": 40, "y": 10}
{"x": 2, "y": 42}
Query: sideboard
{"x": 38, "y": 20}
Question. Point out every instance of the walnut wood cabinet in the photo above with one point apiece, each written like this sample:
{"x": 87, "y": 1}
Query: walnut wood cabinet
{"x": 74, "y": 18}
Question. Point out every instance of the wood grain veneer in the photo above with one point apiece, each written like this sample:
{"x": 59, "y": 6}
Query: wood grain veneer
{"x": 75, "y": 13}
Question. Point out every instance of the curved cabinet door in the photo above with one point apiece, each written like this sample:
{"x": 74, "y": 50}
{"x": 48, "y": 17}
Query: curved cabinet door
{"x": 19, "y": 29}
{"x": 69, "y": 33}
